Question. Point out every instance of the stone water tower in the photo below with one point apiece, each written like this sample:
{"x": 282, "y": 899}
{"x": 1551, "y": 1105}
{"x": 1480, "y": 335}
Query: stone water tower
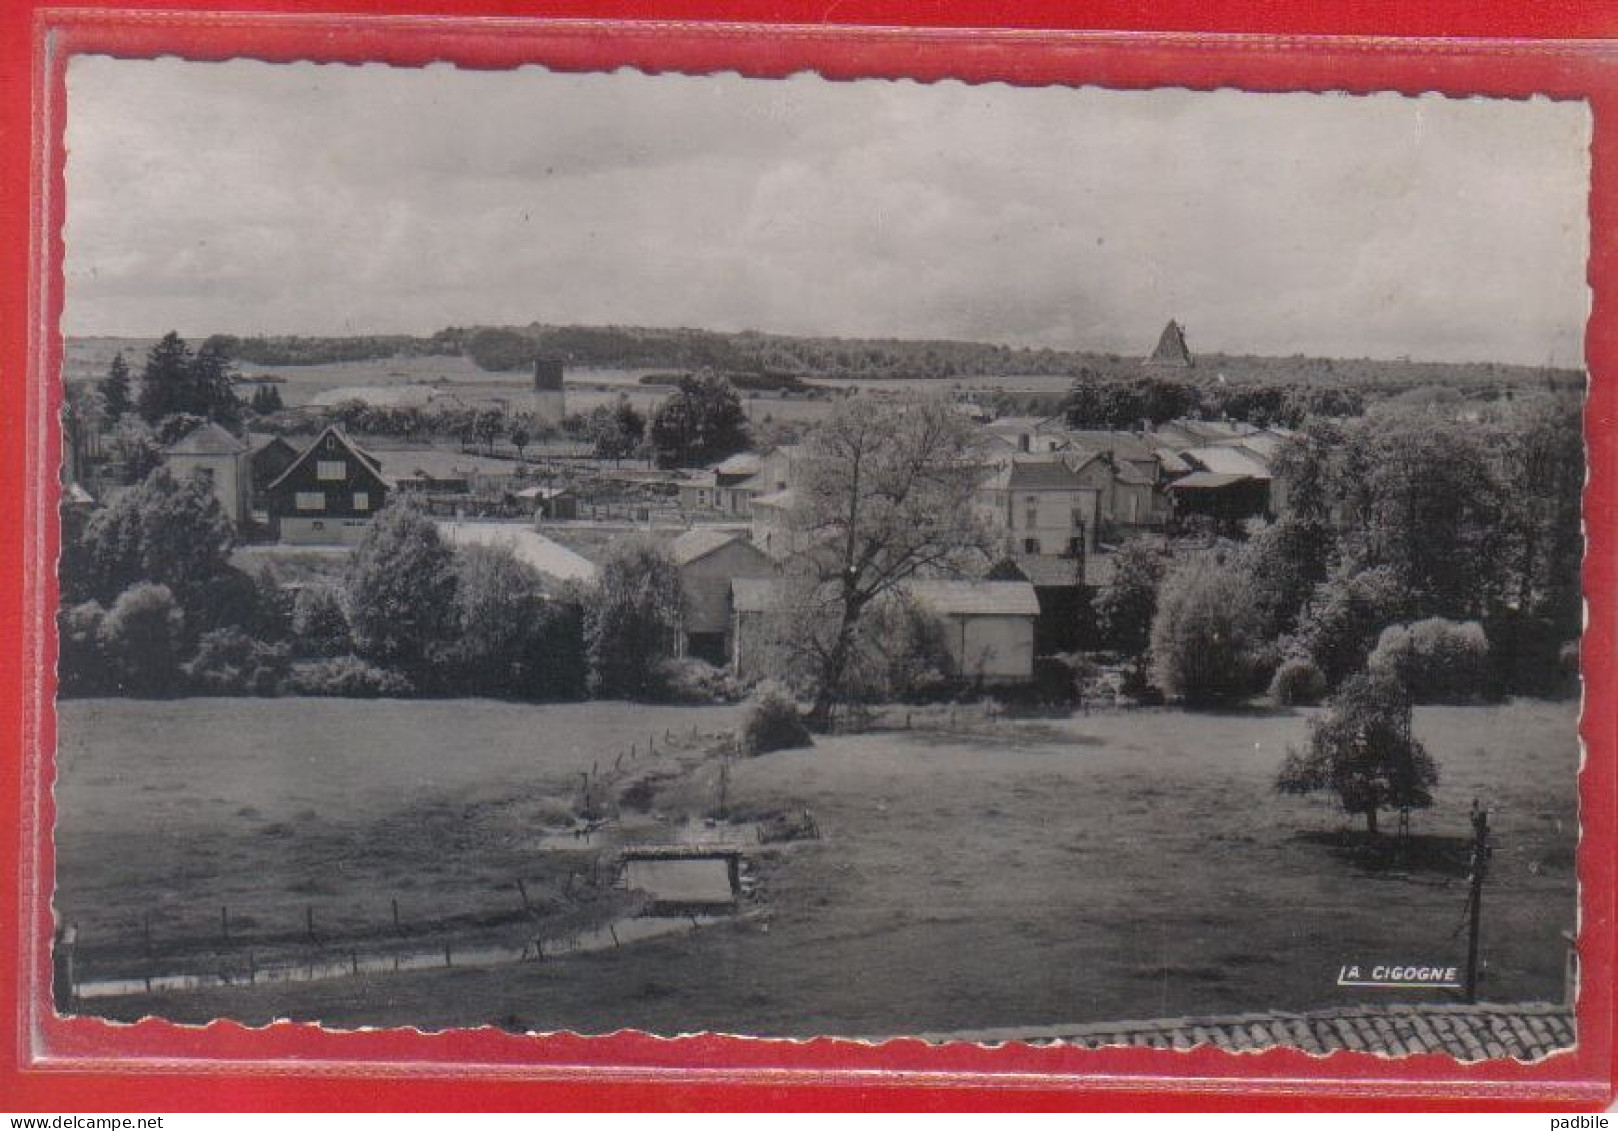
{"x": 550, "y": 399}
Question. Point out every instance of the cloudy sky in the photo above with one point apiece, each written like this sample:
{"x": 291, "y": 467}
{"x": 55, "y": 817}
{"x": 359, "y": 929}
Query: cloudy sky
{"x": 320, "y": 199}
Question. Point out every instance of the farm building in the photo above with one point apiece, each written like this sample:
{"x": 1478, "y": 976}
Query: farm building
{"x": 554, "y": 561}
{"x": 220, "y": 459}
{"x": 708, "y": 560}
{"x": 733, "y": 482}
{"x": 989, "y": 626}
{"x": 328, "y": 494}
{"x": 1224, "y": 498}
{"x": 699, "y": 491}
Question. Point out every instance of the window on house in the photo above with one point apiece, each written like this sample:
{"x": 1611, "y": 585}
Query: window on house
{"x": 1031, "y": 519}
{"x": 1078, "y": 518}
{"x": 331, "y": 470}
{"x": 205, "y": 474}
{"x": 1030, "y": 545}
{"x": 362, "y": 500}
{"x": 311, "y": 500}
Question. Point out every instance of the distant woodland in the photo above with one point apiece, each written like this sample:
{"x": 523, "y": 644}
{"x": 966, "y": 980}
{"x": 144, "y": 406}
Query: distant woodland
{"x": 778, "y": 357}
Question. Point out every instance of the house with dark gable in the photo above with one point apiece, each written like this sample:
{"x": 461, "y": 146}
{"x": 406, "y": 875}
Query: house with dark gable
{"x": 328, "y": 494}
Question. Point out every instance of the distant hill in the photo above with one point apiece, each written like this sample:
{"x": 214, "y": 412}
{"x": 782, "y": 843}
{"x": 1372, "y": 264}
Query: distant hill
{"x": 787, "y": 356}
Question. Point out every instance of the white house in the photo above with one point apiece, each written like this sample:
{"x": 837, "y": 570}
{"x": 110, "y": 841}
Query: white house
{"x": 1039, "y": 505}
{"x": 223, "y": 461}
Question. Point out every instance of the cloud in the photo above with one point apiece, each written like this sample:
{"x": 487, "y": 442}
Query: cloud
{"x": 251, "y": 197}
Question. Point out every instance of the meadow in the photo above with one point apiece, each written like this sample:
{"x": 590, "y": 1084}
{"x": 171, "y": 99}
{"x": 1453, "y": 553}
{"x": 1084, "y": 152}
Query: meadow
{"x": 278, "y": 809}
{"x": 1122, "y": 864}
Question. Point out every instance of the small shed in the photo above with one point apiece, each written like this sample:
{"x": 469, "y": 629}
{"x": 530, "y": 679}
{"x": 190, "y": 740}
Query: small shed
{"x": 554, "y": 504}
{"x": 990, "y": 626}
{"x": 709, "y": 559}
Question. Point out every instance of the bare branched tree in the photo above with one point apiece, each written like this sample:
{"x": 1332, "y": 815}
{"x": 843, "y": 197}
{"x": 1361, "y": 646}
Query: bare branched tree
{"x": 884, "y": 493}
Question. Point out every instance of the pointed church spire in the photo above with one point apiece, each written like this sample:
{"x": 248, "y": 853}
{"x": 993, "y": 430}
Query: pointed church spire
{"x": 1171, "y": 351}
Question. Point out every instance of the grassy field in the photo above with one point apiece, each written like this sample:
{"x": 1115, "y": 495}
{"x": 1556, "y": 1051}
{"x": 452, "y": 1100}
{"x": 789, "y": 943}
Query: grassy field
{"x": 273, "y": 808}
{"x": 1120, "y": 865}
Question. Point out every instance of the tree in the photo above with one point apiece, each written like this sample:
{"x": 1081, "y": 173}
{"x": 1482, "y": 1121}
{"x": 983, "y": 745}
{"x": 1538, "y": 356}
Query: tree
{"x": 319, "y": 623}
{"x": 401, "y": 589}
{"x": 133, "y": 447}
{"x": 1286, "y": 560}
{"x": 700, "y": 422}
{"x": 885, "y": 494}
{"x": 81, "y": 660}
{"x": 519, "y": 438}
{"x": 142, "y": 637}
{"x": 165, "y": 382}
{"x": 1363, "y": 751}
{"x": 1435, "y": 518}
{"x": 1434, "y": 660}
{"x": 1346, "y": 614}
{"x": 499, "y": 606}
{"x": 266, "y": 400}
{"x": 562, "y": 669}
{"x": 213, "y": 381}
{"x": 1126, "y": 607}
{"x": 1206, "y": 634}
{"x": 487, "y": 427}
{"x": 115, "y": 389}
{"x": 176, "y": 381}
{"x": 615, "y": 430}
{"x": 1546, "y": 466}
{"x": 500, "y": 351}
{"x": 631, "y": 619}
{"x": 1097, "y": 401}
{"x": 163, "y": 531}
{"x": 903, "y": 651}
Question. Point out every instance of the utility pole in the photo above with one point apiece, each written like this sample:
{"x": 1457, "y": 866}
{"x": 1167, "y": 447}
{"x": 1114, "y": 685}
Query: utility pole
{"x": 1480, "y": 865}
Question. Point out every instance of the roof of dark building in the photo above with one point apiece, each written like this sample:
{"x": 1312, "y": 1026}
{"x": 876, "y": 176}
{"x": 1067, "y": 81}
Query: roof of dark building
{"x": 1208, "y": 481}
{"x": 1036, "y": 473}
